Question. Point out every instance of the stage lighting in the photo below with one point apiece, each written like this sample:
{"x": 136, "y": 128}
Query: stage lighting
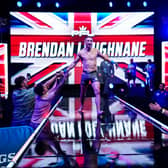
{"x": 111, "y": 86}
{"x": 19, "y": 4}
{"x": 110, "y": 4}
{"x": 128, "y": 4}
{"x": 38, "y": 4}
{"x": 57, "y": 5}
{"x": 145, "y": 4}
{"x": 142, "y": 85}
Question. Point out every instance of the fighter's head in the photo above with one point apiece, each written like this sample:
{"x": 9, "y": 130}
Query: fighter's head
{"x": 88, "y": 42}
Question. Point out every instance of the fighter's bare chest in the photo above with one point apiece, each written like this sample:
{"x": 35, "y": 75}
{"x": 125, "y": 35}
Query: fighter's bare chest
{"x": 89, "y": 56}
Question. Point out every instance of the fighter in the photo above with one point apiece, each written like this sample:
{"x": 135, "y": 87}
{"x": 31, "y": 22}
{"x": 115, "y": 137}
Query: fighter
{"x": 88, "y": 56}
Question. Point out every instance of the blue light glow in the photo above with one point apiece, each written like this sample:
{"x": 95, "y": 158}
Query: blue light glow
{"x": 145, "y": 4}
{"x": 57, "y": 4}
{"x": 19, "y": 4}
{"x": 110, "y": 4}
{"x": 128, "y": 4}
{"x": 111, "y": 86}
{"x": 38, "y": 4}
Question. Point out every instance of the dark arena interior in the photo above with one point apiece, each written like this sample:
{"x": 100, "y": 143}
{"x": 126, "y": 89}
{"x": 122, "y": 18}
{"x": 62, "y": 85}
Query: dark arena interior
{"x": 84, "y": 84}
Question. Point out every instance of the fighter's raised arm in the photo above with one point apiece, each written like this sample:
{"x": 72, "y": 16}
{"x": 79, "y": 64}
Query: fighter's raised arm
{"x": 106, "y": 58}
{"x": 73, "y": 64}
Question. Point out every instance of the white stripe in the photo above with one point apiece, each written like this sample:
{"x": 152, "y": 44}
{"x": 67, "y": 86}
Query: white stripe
{"x": 71, "y": 107}
{"x": 94, "y": 110}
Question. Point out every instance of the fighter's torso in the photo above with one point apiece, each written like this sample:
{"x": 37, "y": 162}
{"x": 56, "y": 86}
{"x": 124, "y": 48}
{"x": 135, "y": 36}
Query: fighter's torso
{"x": 89, "y": 59}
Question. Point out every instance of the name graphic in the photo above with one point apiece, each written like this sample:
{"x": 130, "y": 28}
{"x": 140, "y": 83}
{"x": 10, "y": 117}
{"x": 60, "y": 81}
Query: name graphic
{"x": 68, "y": 49}
{"x": 121, "y": 129}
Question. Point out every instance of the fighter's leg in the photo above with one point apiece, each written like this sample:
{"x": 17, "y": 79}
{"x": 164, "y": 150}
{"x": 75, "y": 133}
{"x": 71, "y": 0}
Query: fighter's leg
{"x": 83, "y": 89}
{"x": 96, "y": 89}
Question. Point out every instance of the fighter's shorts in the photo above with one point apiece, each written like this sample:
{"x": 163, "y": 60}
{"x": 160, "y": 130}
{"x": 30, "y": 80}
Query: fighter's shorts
{"x": 89, "y": 76}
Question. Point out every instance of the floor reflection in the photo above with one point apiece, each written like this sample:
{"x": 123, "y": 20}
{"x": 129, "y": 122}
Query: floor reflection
{"x": 82, "y": 140}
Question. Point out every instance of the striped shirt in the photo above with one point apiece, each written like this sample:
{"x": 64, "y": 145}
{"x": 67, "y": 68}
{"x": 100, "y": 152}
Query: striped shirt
{"x": 23, "y": 102}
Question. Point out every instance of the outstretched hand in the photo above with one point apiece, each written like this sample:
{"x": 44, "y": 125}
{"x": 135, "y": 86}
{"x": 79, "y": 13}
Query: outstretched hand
{"x": 59, "y": 74}
{"x": 62, "y": 74}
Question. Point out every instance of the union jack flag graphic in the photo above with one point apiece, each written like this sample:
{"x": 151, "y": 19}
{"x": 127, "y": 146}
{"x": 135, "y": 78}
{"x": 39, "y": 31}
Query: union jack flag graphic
{"x": 45, "y": 42}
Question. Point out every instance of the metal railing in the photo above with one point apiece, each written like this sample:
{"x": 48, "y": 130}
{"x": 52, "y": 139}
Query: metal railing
{"x": 155, "y": 122}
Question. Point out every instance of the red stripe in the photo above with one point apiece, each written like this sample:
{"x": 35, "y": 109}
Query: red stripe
{"x": 140, "y": 76}
{"x": 166, "y": 54}
{"x": 2, "y": 69}
{"x": 112, "y": 22}
{"x": 123, "y": 65}
{"x": 81, "y": 20}
{"x": 2, "y": 57}
{"x": 31, "y": 163}
{"x": 77, "y": 106}
{"x": 2, "y": 46}
{"x": 166, "y": 47}
{"x": 87, "y": 109}
{"x": 166, "y": 80}
{"x": 2, "y": 50}
{"x": 58, "y": 113}
{"x": 45, "y": 72}
{"x": 3, "y": 82}
{"x": 16, "y": 39}
{"x": 80, "y": 160}
{"x": 166, "y": 67}
{"x": 149, "y": 130}
{"x": 35, "y": 20}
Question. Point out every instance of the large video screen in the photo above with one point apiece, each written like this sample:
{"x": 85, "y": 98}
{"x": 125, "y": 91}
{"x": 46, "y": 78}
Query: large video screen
{"x": 43, "y": 43}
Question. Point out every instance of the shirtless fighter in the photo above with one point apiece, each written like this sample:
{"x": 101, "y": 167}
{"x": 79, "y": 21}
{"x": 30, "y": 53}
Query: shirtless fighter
{"x": 88, "y": 56}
